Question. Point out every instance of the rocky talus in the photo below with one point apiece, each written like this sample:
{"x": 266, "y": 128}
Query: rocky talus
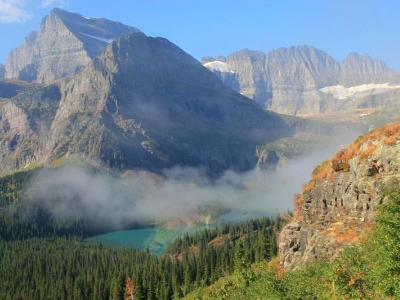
{"x": 338, "y": 205}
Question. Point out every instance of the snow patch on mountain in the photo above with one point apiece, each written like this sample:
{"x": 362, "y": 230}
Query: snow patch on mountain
{"x": 341, "y": 92}
{"x": 97, "y": 37}
{"x": 218, "y": 66}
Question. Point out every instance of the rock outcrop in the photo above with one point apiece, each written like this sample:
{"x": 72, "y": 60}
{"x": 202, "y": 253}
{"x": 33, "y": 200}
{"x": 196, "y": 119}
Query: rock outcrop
{"x": 337, "y": 206}
{"x": 304, "y": 80}
{"x": 65, "y": 43}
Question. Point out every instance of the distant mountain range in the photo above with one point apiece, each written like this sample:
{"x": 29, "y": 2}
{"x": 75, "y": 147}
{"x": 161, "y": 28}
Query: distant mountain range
{"x": 107, "y": 93}
{"x": 303, "y": 80}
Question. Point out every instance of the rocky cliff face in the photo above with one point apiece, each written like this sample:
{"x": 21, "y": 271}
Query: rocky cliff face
{"x": 26, "y": 113}
{"x": 296, "y": 74}
{"x": 359, "y": 69}
{"x": 2, "y": 71}
{"x": 304, "y": 80}
{"x": 65, "y": 43}
{"x": 250, "y": 70}
{"x": 339, "y": 203}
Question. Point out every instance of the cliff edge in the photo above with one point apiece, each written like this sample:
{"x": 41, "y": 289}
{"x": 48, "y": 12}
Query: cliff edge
{"x": 338, "y": 204}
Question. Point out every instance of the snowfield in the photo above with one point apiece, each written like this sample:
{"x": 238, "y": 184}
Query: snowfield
{"x": 341, "y": 92}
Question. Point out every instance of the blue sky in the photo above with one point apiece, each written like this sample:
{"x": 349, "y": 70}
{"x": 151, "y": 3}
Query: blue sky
{"x": 219, "y": 27}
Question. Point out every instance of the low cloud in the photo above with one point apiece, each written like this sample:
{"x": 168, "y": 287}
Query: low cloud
{"x": 143, "y": 197}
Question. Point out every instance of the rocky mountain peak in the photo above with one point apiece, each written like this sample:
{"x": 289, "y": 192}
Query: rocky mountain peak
{"x": 316, "y": 66}
{"x": 64, "y": 44}
{"x": 95, "y": 33}
{"x": 362, "y": 68}
{"x": 363, "y": 60}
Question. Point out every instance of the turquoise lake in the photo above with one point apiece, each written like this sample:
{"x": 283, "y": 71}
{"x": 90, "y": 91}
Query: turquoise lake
{"x": 156, "y": 239}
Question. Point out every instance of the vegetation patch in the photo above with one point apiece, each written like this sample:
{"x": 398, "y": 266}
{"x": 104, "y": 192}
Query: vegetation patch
{"x": 370, "y": 270}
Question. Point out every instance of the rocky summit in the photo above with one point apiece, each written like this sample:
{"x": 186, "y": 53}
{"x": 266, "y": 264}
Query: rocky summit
{"x": 339, "y": 204}
{"x": 303, "y": 80}
{"x": 64, "y": 44}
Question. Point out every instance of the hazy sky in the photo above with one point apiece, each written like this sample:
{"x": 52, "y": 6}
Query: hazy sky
{"x": 215, "y": 27}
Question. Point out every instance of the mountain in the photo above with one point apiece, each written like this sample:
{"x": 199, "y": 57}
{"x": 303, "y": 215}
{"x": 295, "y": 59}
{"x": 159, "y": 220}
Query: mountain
{"x": 358, "y": 69}
{"x": 296, "y": 74}
{"x": 141, "y": 103}
{"x": 64, "y": 44}
{"x": 303, "y": 80}
{"x": 2, "y": 71}
{"x": 340, "y": 202}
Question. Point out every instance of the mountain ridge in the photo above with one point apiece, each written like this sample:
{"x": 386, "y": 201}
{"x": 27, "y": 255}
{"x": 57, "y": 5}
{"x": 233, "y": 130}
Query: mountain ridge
{"x": 65, "y": 43}
{"x": 289, "y": 80}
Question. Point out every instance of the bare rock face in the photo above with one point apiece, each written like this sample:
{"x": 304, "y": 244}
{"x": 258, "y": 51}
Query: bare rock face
{"x": 26, "y": 113}
{"x": 296, "y": 74}
{"x": 250, "y": 69}
{"x": 303, "y": 80}
{"x": 339, "y": 203}
{"x": 2, "y": 71}
{"x": 360, "y": 69}
{"x": 65, "y": 43}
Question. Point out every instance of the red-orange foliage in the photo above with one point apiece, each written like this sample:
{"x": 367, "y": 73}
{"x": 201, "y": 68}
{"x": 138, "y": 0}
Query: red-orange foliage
{"x": 388, "y": 135}
{"x": 370, "y": 149}
{"x": 322, "y": 171}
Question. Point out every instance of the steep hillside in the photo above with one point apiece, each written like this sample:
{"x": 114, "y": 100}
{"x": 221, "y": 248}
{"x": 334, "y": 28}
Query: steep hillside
{"x": 26, "y": 114}
{"x": 303, "y": 80}
{"x": 65, "y": 43}
{"x": 339, "y": 203}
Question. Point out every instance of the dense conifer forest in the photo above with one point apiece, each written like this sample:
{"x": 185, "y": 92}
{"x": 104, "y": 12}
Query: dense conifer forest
{"x": 49, "y": 258}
